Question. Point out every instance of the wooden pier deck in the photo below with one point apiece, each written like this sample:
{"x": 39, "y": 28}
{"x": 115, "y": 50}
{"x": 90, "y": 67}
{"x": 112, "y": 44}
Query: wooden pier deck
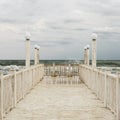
{"x": 60, "y": 102}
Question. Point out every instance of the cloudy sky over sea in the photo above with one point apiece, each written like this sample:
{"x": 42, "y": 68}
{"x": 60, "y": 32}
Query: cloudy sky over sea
{"x": 60, "y": 27}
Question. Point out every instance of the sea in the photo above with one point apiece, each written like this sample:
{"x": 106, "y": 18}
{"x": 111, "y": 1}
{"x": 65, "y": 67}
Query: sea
{"x": 100, "y": 63}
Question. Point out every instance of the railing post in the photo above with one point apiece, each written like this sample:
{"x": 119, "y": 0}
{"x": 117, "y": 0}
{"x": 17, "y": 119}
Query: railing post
{"x": 1, "y": 96}
{"x": 23, "y": 78}
{"x": 53, "y": 69}
{"x": 105, "y": 89}
{"x": 43, "y": 73}
{"x": 118, "y": 97}
{"x": 69, "y": 70}
{"x": 14, "y": 91}
{"x": 40, "y": 72}
{"x": 32, "y": 79}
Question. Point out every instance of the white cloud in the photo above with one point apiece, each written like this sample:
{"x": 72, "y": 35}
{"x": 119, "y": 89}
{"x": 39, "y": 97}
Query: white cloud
{"x": 56, "y": 25}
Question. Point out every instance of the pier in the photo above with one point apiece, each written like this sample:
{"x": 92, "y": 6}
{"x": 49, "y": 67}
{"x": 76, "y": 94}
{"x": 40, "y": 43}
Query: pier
{"x": 60, "y": 92}
{"x": 34, "y": 94}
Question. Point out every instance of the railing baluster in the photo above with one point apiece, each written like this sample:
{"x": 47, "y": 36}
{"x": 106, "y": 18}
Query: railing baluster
{"x": 1, "y": 97}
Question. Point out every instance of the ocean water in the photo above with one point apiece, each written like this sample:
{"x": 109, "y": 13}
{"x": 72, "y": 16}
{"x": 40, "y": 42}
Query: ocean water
{"x": 107, "y": 63}
{"x": 22, "y": 62}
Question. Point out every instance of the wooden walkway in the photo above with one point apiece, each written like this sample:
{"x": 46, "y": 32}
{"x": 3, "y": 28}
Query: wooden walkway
{"x": 60, "y": 102}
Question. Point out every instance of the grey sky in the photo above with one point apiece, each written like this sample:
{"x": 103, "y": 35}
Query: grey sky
{"x": 61, "y": 27}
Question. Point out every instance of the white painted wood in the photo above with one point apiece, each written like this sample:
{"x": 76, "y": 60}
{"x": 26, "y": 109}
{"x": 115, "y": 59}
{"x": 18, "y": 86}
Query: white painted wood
{"x": 35, "y": 56}
{"x": 1, "y": 96}
{"x": 14, "y": 86}
{"x": 118, "y": 97}
{"x": 27, "y": 52}
{"x": 88, "y": 62}
{"x": 14, "y": 91}
{"x": 53, "y": 102}
{"x": 94, "y": 53}
{"x": 105, "y": 93}
{"x": 38, "y": 55}
{"x": 84, "y": 56}
{"x": 23, "y": 94}
{"x": 104, "y": 85}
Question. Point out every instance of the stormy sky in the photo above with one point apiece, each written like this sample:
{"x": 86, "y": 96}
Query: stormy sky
{"x": 60, "y": 27}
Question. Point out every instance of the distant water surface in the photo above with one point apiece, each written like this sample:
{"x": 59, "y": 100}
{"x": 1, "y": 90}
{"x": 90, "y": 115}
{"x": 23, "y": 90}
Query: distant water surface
{"x": 109, "y": 63}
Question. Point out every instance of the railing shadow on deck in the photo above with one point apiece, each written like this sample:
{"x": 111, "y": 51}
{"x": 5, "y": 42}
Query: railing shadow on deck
{"x": 105, "y": 85}
{"x": 15, "y": 86}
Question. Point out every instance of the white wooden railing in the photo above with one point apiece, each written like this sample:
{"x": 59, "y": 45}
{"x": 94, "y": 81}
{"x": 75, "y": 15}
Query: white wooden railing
{"x": 15, "y": 86}
{"x": 62, "y": 70}
{"x": 105, "y": 85}
{"x": 62, "y": 74}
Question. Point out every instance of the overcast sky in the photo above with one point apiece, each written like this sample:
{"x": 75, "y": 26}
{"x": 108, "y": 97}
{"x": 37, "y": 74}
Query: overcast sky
{"x": 60, "y": 27}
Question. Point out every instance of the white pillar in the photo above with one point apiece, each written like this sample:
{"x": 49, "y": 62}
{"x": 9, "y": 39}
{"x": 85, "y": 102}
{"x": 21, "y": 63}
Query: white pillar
{"x": 94, "y": 37}
{"x": 87, "y": 52}
{"x": 38, "y": 54}
{"x": 27, "y": 49}
{"x": 35, "y": 54}
{"x": 85, "y": 55}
